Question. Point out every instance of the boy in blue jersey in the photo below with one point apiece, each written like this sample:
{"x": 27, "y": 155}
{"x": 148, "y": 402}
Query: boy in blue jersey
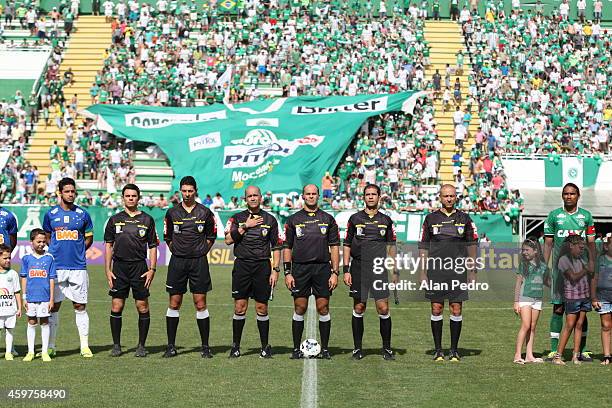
{"x": 69, "y": 231}
{"x": 38, "y": 281}
{"x": 8, "y": 228}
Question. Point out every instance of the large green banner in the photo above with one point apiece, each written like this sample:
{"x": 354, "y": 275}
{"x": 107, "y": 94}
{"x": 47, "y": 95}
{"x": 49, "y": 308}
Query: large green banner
{"x": 277, "y": 144}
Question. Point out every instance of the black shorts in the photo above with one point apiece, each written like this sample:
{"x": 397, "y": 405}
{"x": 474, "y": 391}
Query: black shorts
{"x": 441, "y": 289}
{"x": 128, "y": 275}
{"x": 193, "y": 269}
{"x": 311, "y": 279}
{"x": 250, "y": 279}
{"x": 366, "y": 284}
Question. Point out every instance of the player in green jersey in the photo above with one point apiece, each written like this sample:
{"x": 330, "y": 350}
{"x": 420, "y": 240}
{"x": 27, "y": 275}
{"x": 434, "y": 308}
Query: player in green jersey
{"x": 561, "y": 222}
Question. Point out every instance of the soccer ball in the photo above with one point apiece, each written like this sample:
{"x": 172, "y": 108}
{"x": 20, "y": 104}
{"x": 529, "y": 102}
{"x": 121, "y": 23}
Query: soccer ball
{"x": 310, "y": 348}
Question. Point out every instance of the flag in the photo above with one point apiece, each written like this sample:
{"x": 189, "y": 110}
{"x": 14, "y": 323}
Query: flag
{"x": 275, "y": 143}
{"x": 391, "y": 72}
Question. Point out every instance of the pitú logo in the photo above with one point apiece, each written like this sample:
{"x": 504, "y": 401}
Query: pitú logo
{"x": 261, "y": 144}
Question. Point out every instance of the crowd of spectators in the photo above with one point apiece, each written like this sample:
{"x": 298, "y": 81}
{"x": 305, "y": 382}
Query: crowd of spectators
{"x": 539, "y": 84}
{"x": 543, "y": 81}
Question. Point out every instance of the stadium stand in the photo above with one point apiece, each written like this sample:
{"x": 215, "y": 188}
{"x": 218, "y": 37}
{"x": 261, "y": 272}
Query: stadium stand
{"x": 187, "y": 54}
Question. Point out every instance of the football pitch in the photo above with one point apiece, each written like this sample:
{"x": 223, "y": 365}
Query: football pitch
{"x": 486, "y": 376}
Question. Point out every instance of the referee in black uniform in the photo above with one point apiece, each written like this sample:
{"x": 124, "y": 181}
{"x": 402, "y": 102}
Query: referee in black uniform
{"x": 190, "y": 232}
{"x": 128, "y": 235}
{"x": 312, "y": 241}
{"x": 254, "y": 233}
{"x": 369, "y": 235}
{"x": 447, "y": 233}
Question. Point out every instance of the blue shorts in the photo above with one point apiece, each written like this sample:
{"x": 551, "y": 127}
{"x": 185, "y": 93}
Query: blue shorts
{"x": 606, "y": 307}
{"x": 573, "y": 307}
{"x": 261, "y": 69}
{"x": 327, "y": 193}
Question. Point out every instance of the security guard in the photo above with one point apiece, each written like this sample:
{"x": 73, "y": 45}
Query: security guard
{"x": 190, "y": 232}
{"x": 312, "y": 241}
{"x": 254, "y": 233}
{"x": 129, "y": 235}
{"x": 446, "y": 234}
{"x": 370, "y": 235}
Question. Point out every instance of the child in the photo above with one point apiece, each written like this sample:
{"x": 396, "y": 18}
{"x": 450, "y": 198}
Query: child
{"x": 10, "y": 303}
{"x": 528, "y": 293}
{"x": 601, "y": 292}
{"x": 576, "y": 294}
{"x": 38, "y": 281}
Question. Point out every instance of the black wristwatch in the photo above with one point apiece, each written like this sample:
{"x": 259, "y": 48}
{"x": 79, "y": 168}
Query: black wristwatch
{"x": 287, "y": 268}
{"x": 276, "y": 269}
{"x": 335, "y": 272}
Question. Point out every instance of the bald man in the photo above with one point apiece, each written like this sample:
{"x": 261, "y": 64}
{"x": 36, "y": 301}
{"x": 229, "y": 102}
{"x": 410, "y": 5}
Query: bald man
{"x": 254, "y": 234}
{"x": 311, "y": 258}
{"x": 447, "y": 233}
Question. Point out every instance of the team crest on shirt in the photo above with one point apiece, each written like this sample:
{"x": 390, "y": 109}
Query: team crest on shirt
{"x": 298, "y": 231}
{"x": 66, "y": 219}
{"x": 264, "y": 232}
{"x": 436, "y": 230}
{"x": 382, "y": 232}
{"x": 117, "y": 229}
{"x": 177, "y": 228}
{"x": 359, "y": 231}
{"x": 580, "y": 223}
{"x": 323, "y": 229}
{"x": 200, "y": 228}
{"x": 460, "y": 229}
{"x": 141, "y": 233}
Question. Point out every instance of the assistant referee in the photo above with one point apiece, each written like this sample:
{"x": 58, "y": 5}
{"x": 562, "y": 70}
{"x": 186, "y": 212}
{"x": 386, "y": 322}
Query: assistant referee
{"x": 254, "y": 233}
{"x": 369, "y": 235}
{"x": 129, "y": 235}
{"x": 312, "y": 241}
{"x": 447, "y": 233}
{"x": 190, "y": 232}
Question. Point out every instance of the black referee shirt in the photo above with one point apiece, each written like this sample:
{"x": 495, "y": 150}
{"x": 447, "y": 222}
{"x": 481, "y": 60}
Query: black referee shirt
{"x": 189, "y": 231}
{"x": 257, "y": 243}
{"x": 369, "y": 235}
{"x": 310, "y": 234}
{"x": 448, "y": 235}
{"x": 130, "y": 236}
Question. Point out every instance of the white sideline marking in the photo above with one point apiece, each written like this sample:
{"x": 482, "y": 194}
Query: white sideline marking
{"x": 309, "y": 375}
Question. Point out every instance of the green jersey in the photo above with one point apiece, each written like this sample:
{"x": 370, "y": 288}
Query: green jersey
{"x": 558, "y": 225}
{"x": 533, "y": 280}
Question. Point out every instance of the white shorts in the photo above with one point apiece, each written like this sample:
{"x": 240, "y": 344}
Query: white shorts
{"x": 534, "y": 303}
{"x": 38, "y": 309}
{"x": 8, "y": 322}
{"x": 73, "y": 285}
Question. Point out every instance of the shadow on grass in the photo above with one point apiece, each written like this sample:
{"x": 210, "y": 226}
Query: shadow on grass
{"x": 463, "y": 352}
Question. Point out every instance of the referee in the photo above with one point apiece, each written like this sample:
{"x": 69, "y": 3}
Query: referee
{"x": 190, "y": 232}
{"x": 369, "y": 235}
{"x": 447, "y": 233}
{"x": 128, "y": 235}
{"x": 312, "y": 241}
{"x": 254, "y": 233}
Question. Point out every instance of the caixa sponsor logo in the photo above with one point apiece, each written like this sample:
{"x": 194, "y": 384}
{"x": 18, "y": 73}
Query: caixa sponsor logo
{"x": 67, "y": 235}
{"x": 565, "y": 233}
{"x": 260, "y": 144}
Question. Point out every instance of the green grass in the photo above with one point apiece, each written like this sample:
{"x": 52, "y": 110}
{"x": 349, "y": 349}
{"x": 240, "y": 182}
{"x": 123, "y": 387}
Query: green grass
{"x": 485, "y": 377}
